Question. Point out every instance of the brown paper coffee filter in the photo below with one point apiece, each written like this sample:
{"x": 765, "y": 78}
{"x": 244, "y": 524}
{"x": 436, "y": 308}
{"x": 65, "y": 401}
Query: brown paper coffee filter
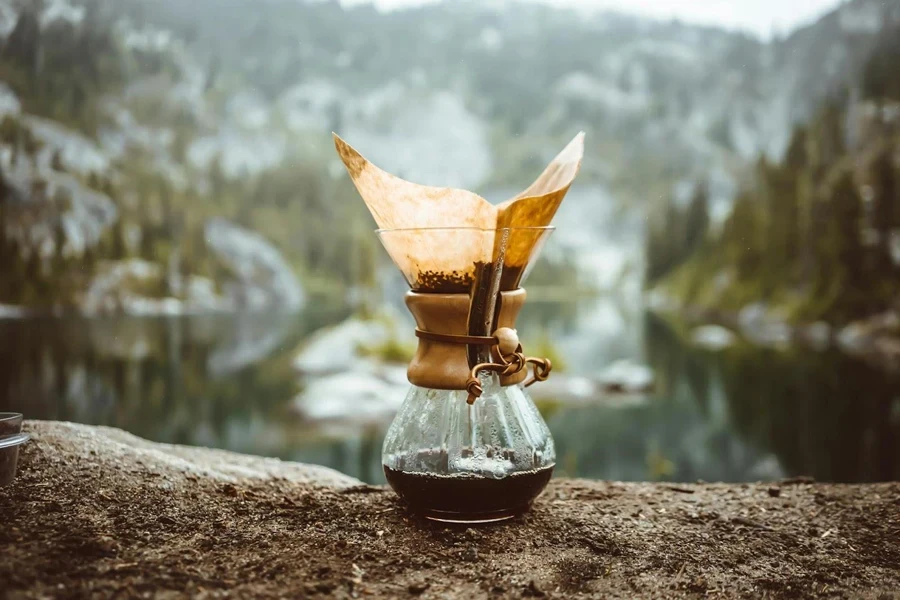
{"x": 399, "y": 204}
{"x": 446, "y": 259}
{"x": 559, "y": 174}
{"x": 535, "y": 207}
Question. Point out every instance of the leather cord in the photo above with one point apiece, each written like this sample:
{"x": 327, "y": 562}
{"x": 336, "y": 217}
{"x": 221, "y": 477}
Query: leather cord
{"x": 448, "y": 338}
{"x": 509, "y": 364}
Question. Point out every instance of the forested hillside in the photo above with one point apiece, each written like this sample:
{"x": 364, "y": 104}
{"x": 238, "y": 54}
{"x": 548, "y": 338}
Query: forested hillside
{"x": 130, "y": 129}
{"x": 815, "y": 234}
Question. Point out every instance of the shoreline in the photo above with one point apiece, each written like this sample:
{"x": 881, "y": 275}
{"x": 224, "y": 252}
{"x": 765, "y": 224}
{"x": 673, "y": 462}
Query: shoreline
{"x": 876, "y": 339}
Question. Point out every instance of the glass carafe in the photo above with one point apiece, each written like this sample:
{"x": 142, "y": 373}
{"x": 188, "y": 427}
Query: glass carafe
{"x": 468, "y": 444}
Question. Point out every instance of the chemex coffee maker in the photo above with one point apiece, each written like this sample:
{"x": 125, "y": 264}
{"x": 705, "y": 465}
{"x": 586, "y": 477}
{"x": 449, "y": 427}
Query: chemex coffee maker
{"x": 468, "y": 444}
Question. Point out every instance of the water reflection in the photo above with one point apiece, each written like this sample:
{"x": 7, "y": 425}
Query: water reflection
{"x": 817, "y": 413}
{"x": 743, "y": 414}
{"x": 216, "y": 380}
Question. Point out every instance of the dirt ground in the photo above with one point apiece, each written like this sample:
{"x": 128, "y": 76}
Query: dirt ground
{"x": 97, "y": 512}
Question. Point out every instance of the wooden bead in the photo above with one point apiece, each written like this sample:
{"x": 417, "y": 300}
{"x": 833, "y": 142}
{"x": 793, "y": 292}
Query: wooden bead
{"x": 507, "y": 340}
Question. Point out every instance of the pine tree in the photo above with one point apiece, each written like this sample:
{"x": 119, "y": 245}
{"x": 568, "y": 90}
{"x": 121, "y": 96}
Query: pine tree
{"x": 89, "y": 261}
{"x": 884, "y": 215}
{"x": 828, "y": 143}
{"x": 56, "y": 162}
{"x": 32, "y": 290}
{"x": 59, "y": 275}
{"x": 843, "y": 239}
{"x": 23, "y": 46}
{"x": 119, "y": 248}
{"x": 741, "y": 234}
{"x": 794, "y": 168}
{"x": 879, "y": 80}
{"x": 796, "y": 157}
{"x": 664, "y": 242}
{"x": 8, "y": 255}
{"x": 217, "y": 179}
{"x": 697, "y": 219}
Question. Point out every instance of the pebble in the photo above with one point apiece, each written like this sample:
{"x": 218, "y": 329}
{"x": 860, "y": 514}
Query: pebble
{"x": 417, "y": 588}
{"x": 534, "y": 590}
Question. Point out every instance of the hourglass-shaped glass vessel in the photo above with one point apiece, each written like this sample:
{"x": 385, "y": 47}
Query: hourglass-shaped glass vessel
{"x": 447, "y": 457}
{"x": 468, "y": 444}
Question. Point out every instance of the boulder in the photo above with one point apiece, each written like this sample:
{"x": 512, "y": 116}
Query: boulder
{"x": 11, "y": 311}
{"x": 131, "y": 287}
{"x": 762, "y": 327}
{"x": 815, "y": 335}
{"x": 564, "y": 388}
{"x": 358, "y": 396}
{"x": 876, "y": 339}
{"x": 713, "y": 337}
{"x": 138, "y": 287}
{"x": 626, "y": 376}
{"x": 34, "y": 220}
{"x": 336, "y": 348}
{"x": 262, "y": 278}
{"x": 9, "y": 102}
{"x": 78, "y": 153}
{"x": 343, "y": 347}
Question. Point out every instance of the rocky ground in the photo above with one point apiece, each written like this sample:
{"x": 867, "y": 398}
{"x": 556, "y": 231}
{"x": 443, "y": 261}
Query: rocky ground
{"x": 98, "y": 512}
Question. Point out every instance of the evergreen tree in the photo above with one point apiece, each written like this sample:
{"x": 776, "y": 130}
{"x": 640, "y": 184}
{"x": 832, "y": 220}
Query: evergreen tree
{"x": 217, "y": 179}
{"x": 32, "y": 290}
{"x": 828, "y": 139}
{"x": 741, "y": 236}
{"x": 23, "y": 46}
{"x": 56, "y": 162}
{"x": 886, "y": 209}
{"x": 59, "y": 276}
{"x": 796, "y": 157}
{"x": 146, "y": 247}
{"x": 119, "y": 249}
{"x": 879, "y": 80}
{"x": 697, "y": 219}
{"x": 89, "y": 261}
{"x": 841, "y": 248}
{"x": 796, "y": 206}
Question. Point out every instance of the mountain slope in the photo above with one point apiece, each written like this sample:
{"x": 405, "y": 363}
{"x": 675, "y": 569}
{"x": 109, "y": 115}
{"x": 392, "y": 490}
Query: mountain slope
{"x": 179, "y": 112}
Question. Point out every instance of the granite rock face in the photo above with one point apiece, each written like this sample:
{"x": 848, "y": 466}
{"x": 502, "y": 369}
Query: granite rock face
{"x": 262, "y": 277}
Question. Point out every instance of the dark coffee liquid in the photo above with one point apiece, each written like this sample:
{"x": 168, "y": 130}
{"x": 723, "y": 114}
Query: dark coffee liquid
{"x": 467, "y": 497}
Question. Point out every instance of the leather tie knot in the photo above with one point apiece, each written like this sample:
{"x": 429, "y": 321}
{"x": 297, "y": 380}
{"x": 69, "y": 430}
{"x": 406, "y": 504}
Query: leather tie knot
{"x": 506, "y": 348}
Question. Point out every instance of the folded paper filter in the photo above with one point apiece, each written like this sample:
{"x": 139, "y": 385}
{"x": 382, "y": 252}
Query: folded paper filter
{"x": 464, "y": 259}
{"x": 448, "y": 240}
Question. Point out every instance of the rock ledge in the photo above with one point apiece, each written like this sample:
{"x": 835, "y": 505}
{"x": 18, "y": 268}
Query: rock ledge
{"x": 98, "y": 512}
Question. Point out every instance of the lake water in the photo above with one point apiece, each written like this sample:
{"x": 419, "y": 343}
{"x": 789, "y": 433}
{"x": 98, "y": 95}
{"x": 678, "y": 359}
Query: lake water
{"x": 228, "y": 382}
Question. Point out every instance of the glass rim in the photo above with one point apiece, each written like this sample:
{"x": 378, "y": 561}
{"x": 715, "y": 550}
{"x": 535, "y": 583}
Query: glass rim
{"x": 14, "y": 440}
{"x": 10, "y": 416}
{"x": 481, "y": 229}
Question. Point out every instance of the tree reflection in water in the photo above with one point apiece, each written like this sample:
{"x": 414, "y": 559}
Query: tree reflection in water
{"x": 820, "y": 413}
{"x": 742, "y": 414}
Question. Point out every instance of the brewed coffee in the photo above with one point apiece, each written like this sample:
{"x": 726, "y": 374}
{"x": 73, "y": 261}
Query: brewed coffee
{"x": 468, "y": 497}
